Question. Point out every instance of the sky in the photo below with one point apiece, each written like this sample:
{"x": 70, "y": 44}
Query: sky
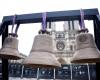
{"x": 10, "y": 7}
{"x": 27, "y": 33}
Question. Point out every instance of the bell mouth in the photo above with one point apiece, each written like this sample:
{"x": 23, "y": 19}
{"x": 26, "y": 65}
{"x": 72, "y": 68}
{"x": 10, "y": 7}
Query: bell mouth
{"x": 86, "y": 55}
{"x": 46, "y": 59}
{"x": 13, "y": 54}
{"x": 89, "y": 60}
{"x": 40, "y": 66}
{"x": 11, "y": 57}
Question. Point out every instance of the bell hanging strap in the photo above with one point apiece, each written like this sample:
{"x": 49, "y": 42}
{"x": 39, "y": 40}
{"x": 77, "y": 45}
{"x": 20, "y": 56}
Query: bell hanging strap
{"x": 13, "y": 22}
{"x": 82, "y": 24}
{"x": 44, "y": 21}
{"x": 16, "y": 30}
{"x": 14, "y": 34}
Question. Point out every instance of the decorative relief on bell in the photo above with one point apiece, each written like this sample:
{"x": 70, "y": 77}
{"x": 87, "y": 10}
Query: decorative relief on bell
{"x": 83, "y": 38}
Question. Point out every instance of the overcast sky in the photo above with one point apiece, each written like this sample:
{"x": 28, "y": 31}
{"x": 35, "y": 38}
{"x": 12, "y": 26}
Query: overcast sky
{"x": 11, "y": 7}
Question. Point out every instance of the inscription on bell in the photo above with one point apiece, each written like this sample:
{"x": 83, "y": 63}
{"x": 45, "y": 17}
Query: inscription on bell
{"x": 82, "y": 38}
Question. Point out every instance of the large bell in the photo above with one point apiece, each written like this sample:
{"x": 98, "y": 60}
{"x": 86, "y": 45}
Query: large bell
{"x": 62, "y": 61}
{"x": 41, "y": 54}
{"x": 9, "y": 49}
{"x": 86, "y": 50}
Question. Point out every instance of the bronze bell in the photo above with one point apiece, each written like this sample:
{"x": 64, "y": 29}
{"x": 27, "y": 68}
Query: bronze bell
{"x": 86, "y": 50}
{"x": 62, "y": 61}
{"x": 41, "y": 54}
{"x": 9, "y": 49}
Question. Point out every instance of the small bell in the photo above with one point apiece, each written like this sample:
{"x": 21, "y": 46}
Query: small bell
{"x": 86, "y": 50}
{"x": 9, "y": 49}
{"x": 41, "y": 54}
{"x": 62, "y": 61}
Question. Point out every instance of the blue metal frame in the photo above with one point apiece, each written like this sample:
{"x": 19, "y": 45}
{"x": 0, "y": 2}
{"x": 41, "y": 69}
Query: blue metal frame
{"x": 53, "y": 16}
{"x": 89, "y": 14}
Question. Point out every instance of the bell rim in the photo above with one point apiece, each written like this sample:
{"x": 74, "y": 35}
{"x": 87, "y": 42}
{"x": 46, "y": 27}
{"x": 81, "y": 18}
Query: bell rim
{"x": 89, "y": 60}
{"x": 9, "y": 55}
{"x": 92, "y": 56}
{"x": 27, "y": 60}
{"x": 40, "y": 65}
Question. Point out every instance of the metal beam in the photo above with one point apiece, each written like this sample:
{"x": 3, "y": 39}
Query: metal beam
{"x": 52, "y": 16}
